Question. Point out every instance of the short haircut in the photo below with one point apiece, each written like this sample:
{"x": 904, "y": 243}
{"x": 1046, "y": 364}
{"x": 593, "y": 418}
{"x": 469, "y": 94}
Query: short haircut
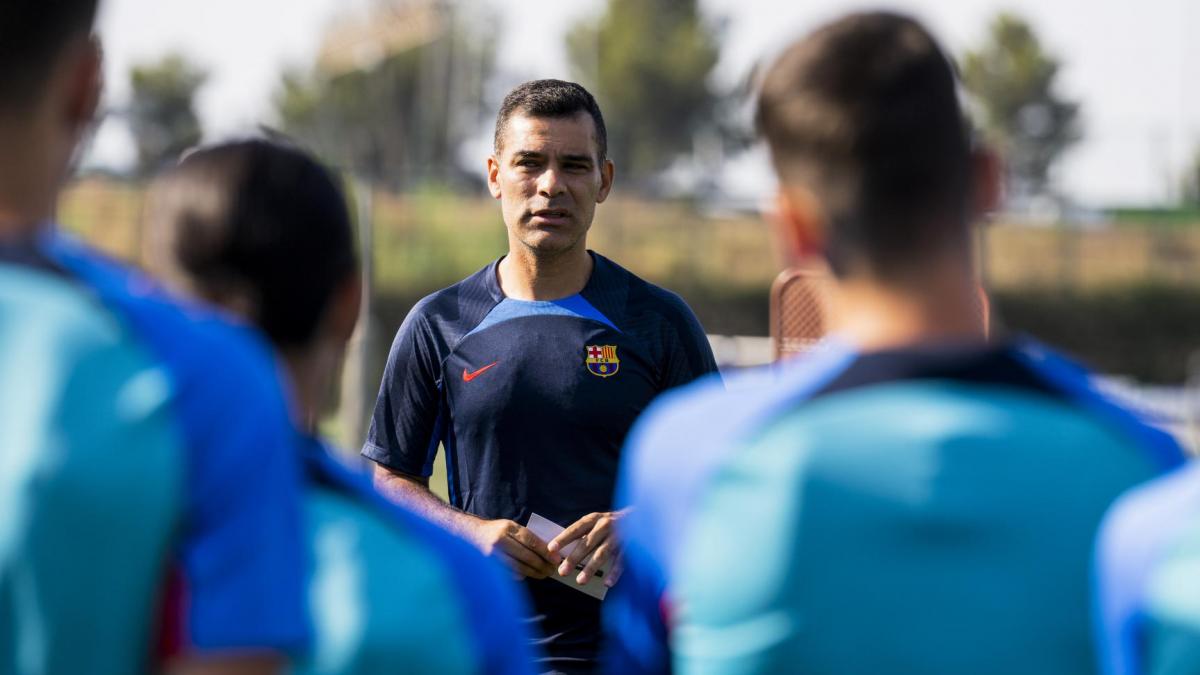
{"x": 551, "y": 98}
{"x": 257, "y": 218}
{"x": 32, "y": 34}
{"x": 865, "y": 112}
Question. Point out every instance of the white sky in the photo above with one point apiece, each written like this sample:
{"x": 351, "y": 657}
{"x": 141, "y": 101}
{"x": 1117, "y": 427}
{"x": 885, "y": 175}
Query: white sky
{"x": 1130, "y": 63}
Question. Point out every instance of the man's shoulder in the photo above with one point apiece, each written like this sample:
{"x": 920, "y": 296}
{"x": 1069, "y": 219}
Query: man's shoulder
{"x": 457, "y": 307}
{"x": 204, "y": 351}
{"x": 49, "y": 301}
{"x": 1082, "y": 388}
{"x": 644, "y": 299}
{"x": 745, "y": 397}
{"x": 690, "y": 432}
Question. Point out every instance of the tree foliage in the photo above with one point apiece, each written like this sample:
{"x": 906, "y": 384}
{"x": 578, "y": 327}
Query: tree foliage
{"x": 1013, "y": 80}
{"x": 401, "y": 118}
{"x": 648, "y": 63}
{"x": 162, "y": 115}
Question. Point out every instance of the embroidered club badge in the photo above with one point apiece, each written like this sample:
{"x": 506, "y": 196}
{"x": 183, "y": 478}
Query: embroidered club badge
{"x": 602, "y": 360}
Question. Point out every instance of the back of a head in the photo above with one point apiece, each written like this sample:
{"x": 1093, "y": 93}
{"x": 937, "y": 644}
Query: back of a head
{"x": 256, "y": 226}
{"x": 865, "y": 114}
{"x": 32, "y": 33}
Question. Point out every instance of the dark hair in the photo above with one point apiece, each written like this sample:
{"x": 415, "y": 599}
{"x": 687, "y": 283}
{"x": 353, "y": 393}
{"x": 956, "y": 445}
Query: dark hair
{"x": 256, "y": 218}
{"x": 551, "y": 98}
{"x": 865, "y": 112}
{"x": 32, "y": 33}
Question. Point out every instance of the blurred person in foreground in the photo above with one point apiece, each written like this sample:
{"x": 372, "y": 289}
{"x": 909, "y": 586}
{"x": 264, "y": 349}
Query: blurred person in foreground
{"x": 531, "y": 371}
{"x": 149, "y": 486}
{"x": 1148, "y": 579}
{"x": 262, "y": 230}
{"x": 908, "y": 498}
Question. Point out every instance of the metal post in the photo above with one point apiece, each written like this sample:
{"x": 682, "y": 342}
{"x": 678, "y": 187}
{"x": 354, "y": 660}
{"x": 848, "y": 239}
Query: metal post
{"x": 357, "y": 388}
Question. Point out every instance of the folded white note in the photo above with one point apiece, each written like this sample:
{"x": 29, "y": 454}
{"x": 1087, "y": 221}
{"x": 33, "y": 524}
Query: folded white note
{"x": 546, "y": 530}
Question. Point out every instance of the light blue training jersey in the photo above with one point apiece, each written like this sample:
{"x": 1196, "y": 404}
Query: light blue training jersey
{"x": 391, "y": 592}
{"x": 149, "y": 483}
{"x": 928, "y": 510}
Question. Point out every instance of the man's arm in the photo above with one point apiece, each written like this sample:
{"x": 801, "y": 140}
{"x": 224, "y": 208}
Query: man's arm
{"x": 521, "y": 549}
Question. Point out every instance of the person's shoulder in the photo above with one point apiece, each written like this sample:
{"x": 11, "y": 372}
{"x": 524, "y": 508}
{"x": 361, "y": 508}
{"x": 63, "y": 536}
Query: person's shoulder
{"x": 76, "y": 349}
{"x": 202, "y": 348}
{"x": 46, "y": 300}
{"x": 457, "y": 305}
{"x": 643, "y": 291}
{"x": 648, "y": 302}
{"x": 1138, "y": 530}
{"x": 1080, "y": 387}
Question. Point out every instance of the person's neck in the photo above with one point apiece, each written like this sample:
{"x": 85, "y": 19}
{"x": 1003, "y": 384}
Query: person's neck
{"x": 309, "y": 371}
{"x": 940, "y": 303}
{"x": 526, "y": 275}
{"x": 26, "y": 196}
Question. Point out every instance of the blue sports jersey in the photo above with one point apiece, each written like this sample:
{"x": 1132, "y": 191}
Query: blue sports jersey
{"x": 212, "y": 499}
{"x": 920, "y": 510}
{"x": 391, "y": 592}
{"x": 532, "y": 401}
{"x": 1148, "y": 591}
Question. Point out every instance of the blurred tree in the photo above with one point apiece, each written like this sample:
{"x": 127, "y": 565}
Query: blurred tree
{"x": 1012, "y": 79}
{"x": 648, "y": 63}
{"x": 393, "y": 97}
{"x": 162, "y": 115}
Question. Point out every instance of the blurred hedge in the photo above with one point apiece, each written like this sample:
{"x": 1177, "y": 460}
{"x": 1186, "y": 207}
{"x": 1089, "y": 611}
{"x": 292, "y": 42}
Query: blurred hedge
{"x": 1145, "y": 331}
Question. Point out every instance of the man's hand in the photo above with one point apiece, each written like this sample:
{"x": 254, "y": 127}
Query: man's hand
{"x": 517, "y": 546}
{"x": 596, "y": 533}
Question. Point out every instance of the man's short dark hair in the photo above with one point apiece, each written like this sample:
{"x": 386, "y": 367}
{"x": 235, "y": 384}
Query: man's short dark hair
{"x": 32, "y": 33}
{"x": 551, "y": 98}
{"x": 261, "y": 219}
{"x": 865, "y": 113}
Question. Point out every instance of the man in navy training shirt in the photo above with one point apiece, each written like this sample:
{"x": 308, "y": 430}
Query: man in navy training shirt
{"x": 531, "y": 371}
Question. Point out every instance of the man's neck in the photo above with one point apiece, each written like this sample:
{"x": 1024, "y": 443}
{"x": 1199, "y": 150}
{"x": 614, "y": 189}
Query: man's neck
{"x": 941, "y": 304}
{"x": 525, "y": 275}
{"x": 309, "y": 371}
{"x": 26, "y": 201}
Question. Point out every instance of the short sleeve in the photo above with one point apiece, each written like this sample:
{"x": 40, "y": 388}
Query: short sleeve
{"x": 408, "y": 422}
{"x": 689, "y": 355}
{"x": 241, "y": 558}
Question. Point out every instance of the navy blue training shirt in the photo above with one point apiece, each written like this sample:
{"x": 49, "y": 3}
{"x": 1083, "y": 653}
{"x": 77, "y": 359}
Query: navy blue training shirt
{"x": 532, "y": 401}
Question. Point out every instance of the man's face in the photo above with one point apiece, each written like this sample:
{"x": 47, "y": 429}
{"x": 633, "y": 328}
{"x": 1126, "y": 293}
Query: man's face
{"x": 549, "y": 178}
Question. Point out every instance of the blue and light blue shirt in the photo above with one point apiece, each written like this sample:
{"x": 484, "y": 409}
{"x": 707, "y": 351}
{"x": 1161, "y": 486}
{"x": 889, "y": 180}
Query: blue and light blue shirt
{"x": 921, "y": 510}
{"x": 145, "y": 441}
{"x": 1148, "y": 579}
{"x": 391, "y": 592}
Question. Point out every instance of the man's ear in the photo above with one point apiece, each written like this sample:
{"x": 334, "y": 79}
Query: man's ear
{"x": 607, "y": 172}
{"x": 493, "y": 176}
{"x": 987, "y": 174}
{"x": 83, "y": 84}
{"x": 345, "y": 306}
{"x": 799, "y": 225}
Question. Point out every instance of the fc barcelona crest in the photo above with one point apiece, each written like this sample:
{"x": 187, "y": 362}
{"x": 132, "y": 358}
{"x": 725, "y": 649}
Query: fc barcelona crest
{"x": 602, "y": 360}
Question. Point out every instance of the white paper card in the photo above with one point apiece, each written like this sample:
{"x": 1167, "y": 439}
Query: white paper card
{"x": 546, "y": 530}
